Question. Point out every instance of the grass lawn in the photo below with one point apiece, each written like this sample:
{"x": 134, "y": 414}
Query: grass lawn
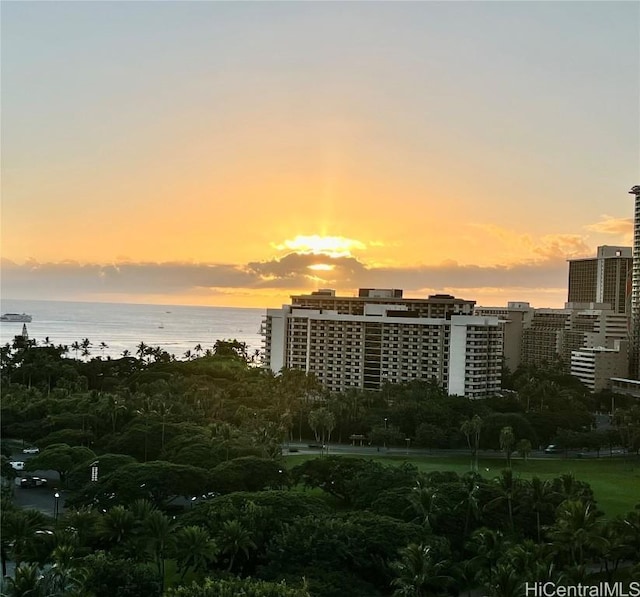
{"x": 615, "y": 481}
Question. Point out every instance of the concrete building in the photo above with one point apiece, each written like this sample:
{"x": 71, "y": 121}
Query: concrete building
{"x": 542, "y": 339}
{"x": 436, "y": 305}
{"x": 380, "y": 337}
{"x": 603, "y": 279}
{"x": 596, "y": 366}
{"x": 553, "y": 334}
{"x": 514, "y": 318}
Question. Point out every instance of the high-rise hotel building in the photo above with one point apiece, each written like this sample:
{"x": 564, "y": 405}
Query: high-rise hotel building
{"x": 634, "y": 361}
{"x": 603, "y": 279}
{"x": 379, "y": 336}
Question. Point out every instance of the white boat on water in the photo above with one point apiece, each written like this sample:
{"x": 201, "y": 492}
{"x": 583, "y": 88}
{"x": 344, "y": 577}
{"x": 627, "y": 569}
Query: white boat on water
{"x": 16, "y": 317}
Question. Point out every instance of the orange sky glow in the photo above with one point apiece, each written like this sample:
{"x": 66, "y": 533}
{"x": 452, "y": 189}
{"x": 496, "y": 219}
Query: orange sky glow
{"x": 469, "y": 148}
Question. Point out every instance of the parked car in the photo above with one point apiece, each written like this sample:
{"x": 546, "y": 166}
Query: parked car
{"x": 33, "y": 450}
{"x": 553, "y": 449}
{"x": 18, "y": 465}
{"x": 33, "y": 482}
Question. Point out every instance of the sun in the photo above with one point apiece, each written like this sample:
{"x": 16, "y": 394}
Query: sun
{"x": 332, "y": 246}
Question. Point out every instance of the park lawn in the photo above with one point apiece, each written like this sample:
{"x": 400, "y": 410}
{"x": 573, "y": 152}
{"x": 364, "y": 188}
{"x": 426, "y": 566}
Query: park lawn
{"x": 615, "y": 481}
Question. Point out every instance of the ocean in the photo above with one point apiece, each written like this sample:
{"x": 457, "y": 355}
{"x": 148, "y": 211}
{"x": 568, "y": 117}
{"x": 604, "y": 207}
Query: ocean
{"x": 123, "y": 326}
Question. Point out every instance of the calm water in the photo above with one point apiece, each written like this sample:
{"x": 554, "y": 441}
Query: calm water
{"x": 123, "y": 326}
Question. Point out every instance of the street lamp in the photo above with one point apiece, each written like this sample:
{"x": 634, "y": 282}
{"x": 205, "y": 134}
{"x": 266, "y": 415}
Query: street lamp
{"x": 193, "y": 499}
{"x": 56, "y": 496}
{"x": 384, "y": 443}
{"x": 408, "y": 440}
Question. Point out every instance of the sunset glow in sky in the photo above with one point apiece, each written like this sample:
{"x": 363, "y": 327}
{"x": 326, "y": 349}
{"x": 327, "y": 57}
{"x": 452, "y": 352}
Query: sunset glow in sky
{"x": 234, "y": 153}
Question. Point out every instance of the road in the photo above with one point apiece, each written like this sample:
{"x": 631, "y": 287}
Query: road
{"x": 293, "y": 448}
{"x": 39, "y": 498}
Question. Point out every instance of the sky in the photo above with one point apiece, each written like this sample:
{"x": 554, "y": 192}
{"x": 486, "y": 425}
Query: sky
{"x": 235, "y": 153}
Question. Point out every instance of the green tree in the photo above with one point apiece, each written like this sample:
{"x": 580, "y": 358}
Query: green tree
{"x": 540, "y": 495}
{"x": 117, "y": 526}
{"x": 425, "y": 502}
{"x": 509, "y": 488}
{"x": 109, "y": 576}
{"x": 60, "y": 458}
{"x": 421, "y": 571}
{"x": 523, "y": 447}
{"x": 471, "y": 429}
{"x": 249, "y": 474}
{"x": 194, "y": 549}
{"x": 233, "y": 539}
{"x": 246, "y": 587}
{"x": 158, "y": 531}
{"x": 507, "y": 442}
{"x": 322, "y": 421}
{"x": 577, "y": 530}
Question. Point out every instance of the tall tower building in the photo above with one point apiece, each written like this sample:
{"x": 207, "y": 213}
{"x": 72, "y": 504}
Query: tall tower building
{"x": 603, "y": 279}
{"x": 634, "y": 364}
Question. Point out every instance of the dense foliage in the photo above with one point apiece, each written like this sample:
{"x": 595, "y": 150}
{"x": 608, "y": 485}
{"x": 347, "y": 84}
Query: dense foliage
{"x": 194, "y": 496}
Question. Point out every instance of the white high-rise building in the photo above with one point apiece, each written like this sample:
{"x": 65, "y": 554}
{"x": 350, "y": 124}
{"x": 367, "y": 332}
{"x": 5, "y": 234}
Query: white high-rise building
{"x": 634, "y": 361}
{"x": 363, "y": 342}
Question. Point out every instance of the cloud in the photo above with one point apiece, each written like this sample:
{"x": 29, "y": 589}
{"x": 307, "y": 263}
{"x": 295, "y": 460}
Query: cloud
{"x": 611, "y": 225}
{"x": 334, "y": 246}
{"x": 294, "y": 269}
{"x": 561, "y": 246}
{"x": 69, "y": 280}
{"x": 548, "y": 247}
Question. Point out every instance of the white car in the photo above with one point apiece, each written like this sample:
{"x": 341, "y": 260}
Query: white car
{"x": 17, "y": 465}
{"x": 31, "y": 451}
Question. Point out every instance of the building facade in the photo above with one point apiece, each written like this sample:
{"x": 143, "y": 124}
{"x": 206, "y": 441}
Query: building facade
{"x": 378, "y": 337}
{"x": 603, "y": 279}
{"x": 634, "y": 360}
{"x": 595, "y": 367}
{"x": 514, "y": 318}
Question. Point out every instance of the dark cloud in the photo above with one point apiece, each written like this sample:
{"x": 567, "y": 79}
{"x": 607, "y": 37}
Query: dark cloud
{"x": 69, "y": 279}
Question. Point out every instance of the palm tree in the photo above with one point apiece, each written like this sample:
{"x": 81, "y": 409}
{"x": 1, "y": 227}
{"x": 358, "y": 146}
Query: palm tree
{"x": 420, "y": 572}
{"x": 195, "y": 549}
{"x": 425, "y": 502}
{"x": 85, "y": 345}
{"x": 76, "y": 347}
{"x": 141, "y": 350}
{"x": 19, "y": 529}
{"x": 507, "y": 441}
{"x": 197, "y": 349}
{"x": 471, "y": 501}
{"x": 83, "y": 523}
{"x": 471, "y": 429}
{"x": 146, "y": 411}
{"x": 26, "y": 581}
{"x": 235, "y": 538}
{"x": 164, "y": 410}
{"x": 64, "y": 579}
{"x": 530, "y": 560}
{"x": 509, "y": 488}
{"x": 487, "y": 545}
{"x": 117, "y": 526}
{"x": 506, "y": 582}
{"x": 540, "y": 495}
{"x": 576, "y": 530}
{"x": 322, "y": 421}
{"x": 158, "y": 531}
